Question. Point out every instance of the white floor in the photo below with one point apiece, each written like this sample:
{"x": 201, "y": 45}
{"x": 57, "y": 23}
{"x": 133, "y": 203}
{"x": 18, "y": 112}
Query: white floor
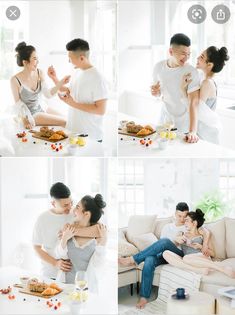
{"x": 127, "y": 302}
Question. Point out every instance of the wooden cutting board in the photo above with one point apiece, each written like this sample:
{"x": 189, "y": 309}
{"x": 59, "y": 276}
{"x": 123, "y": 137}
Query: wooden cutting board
{"x": 35, "y": 134}
{"x": 125, "y": 133}
{"x": 26, "y": 291}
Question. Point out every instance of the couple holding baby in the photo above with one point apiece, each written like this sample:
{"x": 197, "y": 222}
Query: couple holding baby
{"x": 69, "y": 240}
{"x": 189, "y": 101}
{"x": 185, "y": 244}
{"x": 86, "y": 95}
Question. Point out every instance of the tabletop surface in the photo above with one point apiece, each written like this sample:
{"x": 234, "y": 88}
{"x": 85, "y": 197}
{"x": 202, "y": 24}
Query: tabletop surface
{"x": 27, "y": 304}
{"x": 130, "y": 146}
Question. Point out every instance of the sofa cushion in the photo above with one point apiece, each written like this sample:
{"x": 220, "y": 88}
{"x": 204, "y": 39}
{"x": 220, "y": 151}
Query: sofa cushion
{"x": 126, "y": 249}
{"x": 217, "y": 229}
{"x": 159, "y": 224}
{"x": 230, "y": 228}
{"x": 144, "y": 240}
{"x": 140, "y": 224}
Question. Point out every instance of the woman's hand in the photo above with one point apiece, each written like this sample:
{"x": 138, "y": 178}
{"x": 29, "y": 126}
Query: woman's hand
{"x": 180, "y": 239}
{"x": 52, "y": 73}
{"x": 186, "y": 80}
{"x": 195, "y": 246}
{"x": 102, "y": 240}
{"x": 68, "y": 233}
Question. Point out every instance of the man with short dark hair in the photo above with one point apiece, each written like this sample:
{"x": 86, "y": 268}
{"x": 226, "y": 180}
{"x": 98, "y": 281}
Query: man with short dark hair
{"x": 87, "y": 94}
{"x": 48, "y": 226}
{"x": 171, "y": 238}
{"x": 168, "y": 75}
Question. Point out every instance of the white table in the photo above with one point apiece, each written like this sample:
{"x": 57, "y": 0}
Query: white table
{"x": 199, "y": 303}
{"x": 37, "y": 147}
{"x": 223, "y": 306}
{"x": 96, "y": 304}
{"x": 178, "y": 148}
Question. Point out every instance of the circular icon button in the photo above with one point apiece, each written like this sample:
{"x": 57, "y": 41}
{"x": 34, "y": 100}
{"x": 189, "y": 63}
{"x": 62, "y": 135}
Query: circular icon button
{"x": 196, "y": 14}
{"x": 220, "y": 14}
{"x": 13, "y": 13}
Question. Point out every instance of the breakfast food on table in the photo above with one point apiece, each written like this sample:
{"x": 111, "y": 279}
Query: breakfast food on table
{"x": 50, "y": 291}
{"x": 35, "y": 286}
{"x": 6, "y": 291}
{"x": 139, "y": 130}
{"x": 50, "y": 134}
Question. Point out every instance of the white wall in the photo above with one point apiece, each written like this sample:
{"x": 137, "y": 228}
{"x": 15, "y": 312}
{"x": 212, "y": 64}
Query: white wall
{"x": 169, "y": 181}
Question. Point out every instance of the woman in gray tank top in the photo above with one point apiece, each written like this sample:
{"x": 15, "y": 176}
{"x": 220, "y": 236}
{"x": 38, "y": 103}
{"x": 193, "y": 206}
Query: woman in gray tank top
{"x": 29, "y": 85}
{"x": 81, "y": 251}
{"x": 191, "y": 243}
{"x": 211, "y": 61}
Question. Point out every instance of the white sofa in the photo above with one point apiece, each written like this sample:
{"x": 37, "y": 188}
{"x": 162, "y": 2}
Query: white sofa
{"x": 144, "y": 230}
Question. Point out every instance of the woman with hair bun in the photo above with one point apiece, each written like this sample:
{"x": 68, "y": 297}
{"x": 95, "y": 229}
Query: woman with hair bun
{"x": 84, "y": 252}
{"x": 191, "y": 244}
{"x": 211, "y": 61}
{"x": 28, "y": 86}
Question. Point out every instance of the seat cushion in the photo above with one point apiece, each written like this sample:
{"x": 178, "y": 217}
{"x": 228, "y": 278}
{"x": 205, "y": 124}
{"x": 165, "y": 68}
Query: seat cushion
{"x": 144, "y": 240}
{"x": 230, "y": 228}
{"x": 124, "y": 269}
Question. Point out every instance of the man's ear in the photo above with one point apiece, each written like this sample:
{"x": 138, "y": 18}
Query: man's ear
{"x": 53, "y": 203}
{"x": 170, "y": 51}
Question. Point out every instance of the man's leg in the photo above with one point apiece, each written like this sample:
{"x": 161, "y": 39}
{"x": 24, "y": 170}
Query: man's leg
{"x": 150, "y": 263}
{"x": 155, "y": 249}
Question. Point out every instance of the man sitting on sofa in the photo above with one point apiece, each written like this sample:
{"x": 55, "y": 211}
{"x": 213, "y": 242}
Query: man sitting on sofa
{"x": 171, "y": 238}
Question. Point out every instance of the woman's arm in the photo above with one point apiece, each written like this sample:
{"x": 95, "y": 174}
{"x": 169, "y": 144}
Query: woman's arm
{"x": 51, "y": 92}
{"x": 15, "y": 89}
{"x": 89, "y": 231}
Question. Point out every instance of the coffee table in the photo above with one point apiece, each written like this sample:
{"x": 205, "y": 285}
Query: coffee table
{"x": 198, "y": 303}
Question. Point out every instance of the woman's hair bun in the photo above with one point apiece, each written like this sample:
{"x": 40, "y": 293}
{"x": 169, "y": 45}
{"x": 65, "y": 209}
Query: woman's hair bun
{"x": 199, "y": 212}
{"x": 20, "y": 46}
{"x": 100, "y": 201}
{"x": 223, "y": 51}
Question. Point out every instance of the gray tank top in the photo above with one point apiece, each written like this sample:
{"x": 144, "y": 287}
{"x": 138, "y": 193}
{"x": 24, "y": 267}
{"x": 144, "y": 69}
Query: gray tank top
{"x": 211, "y": 102}
{"x": 189, "y": 250}
{"x": 80, "y": 257}
{"x": 31, "y": 98}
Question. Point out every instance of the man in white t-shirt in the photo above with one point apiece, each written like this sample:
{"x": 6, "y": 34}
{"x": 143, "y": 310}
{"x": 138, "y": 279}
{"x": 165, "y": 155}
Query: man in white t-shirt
{"x": 87, "y": 95}
{"x": 48, "y": 226}
{"x": 171, "y": 238}
{"x": 168, "y": 76}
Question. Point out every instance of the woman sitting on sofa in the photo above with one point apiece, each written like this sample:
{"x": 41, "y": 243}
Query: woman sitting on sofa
{"x": 191, "y": 244}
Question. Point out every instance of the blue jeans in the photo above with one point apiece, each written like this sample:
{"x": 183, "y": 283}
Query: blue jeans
{"x": 152, "y": 257}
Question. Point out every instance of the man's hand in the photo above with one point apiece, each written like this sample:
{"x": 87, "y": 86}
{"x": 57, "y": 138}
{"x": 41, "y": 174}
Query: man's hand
{"x": 191, "y": 137}
{"x": 65, "y": 80}
{"x": 52, "y": 73}
{"x": 155, "y": 89}
{"x": 180, "y": 239}
{"x": 64, "y": 265}
{"x": 67, "y": 99}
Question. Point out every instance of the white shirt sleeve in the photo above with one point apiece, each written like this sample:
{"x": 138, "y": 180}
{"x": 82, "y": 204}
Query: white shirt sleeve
{"x": 61, "y": 252}
{"x": 37, "y": 238}
{"x": 97, "y": 258}
{"x": 156, "y": 73}
{"x": 195, "y": 84}
{"x": 165, "y": 231}
{"x": 100, "y": 90}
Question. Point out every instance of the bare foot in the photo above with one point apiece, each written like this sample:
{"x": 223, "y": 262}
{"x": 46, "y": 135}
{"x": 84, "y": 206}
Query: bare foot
{"x": 229, "y": 271}
{"x": 126, "y": 261}
{"x": 142, "y": 302}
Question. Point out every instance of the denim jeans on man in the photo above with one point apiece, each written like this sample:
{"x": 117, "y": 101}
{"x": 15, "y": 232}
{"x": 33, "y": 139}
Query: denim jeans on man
{"x": 152, "y": 257}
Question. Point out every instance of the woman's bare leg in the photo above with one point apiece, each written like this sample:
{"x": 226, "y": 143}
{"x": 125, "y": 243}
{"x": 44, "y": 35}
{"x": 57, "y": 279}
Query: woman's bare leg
{"x": 177, "y": 261}
{"x": 205, "y": 262}
{"x": 45, "y": 119}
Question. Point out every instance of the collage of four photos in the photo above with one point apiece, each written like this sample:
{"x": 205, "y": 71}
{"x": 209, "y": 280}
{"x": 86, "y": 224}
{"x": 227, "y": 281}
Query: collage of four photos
{"x": 117, "y": 157}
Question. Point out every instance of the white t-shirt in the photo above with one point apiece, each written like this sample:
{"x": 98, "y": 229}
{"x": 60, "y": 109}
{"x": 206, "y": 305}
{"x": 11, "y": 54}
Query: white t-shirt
{"x": 45, "y": 234}
{"x": 171, "y": 231}
{"x": 87, "y": 86}
{"x": 175, "y": 108}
